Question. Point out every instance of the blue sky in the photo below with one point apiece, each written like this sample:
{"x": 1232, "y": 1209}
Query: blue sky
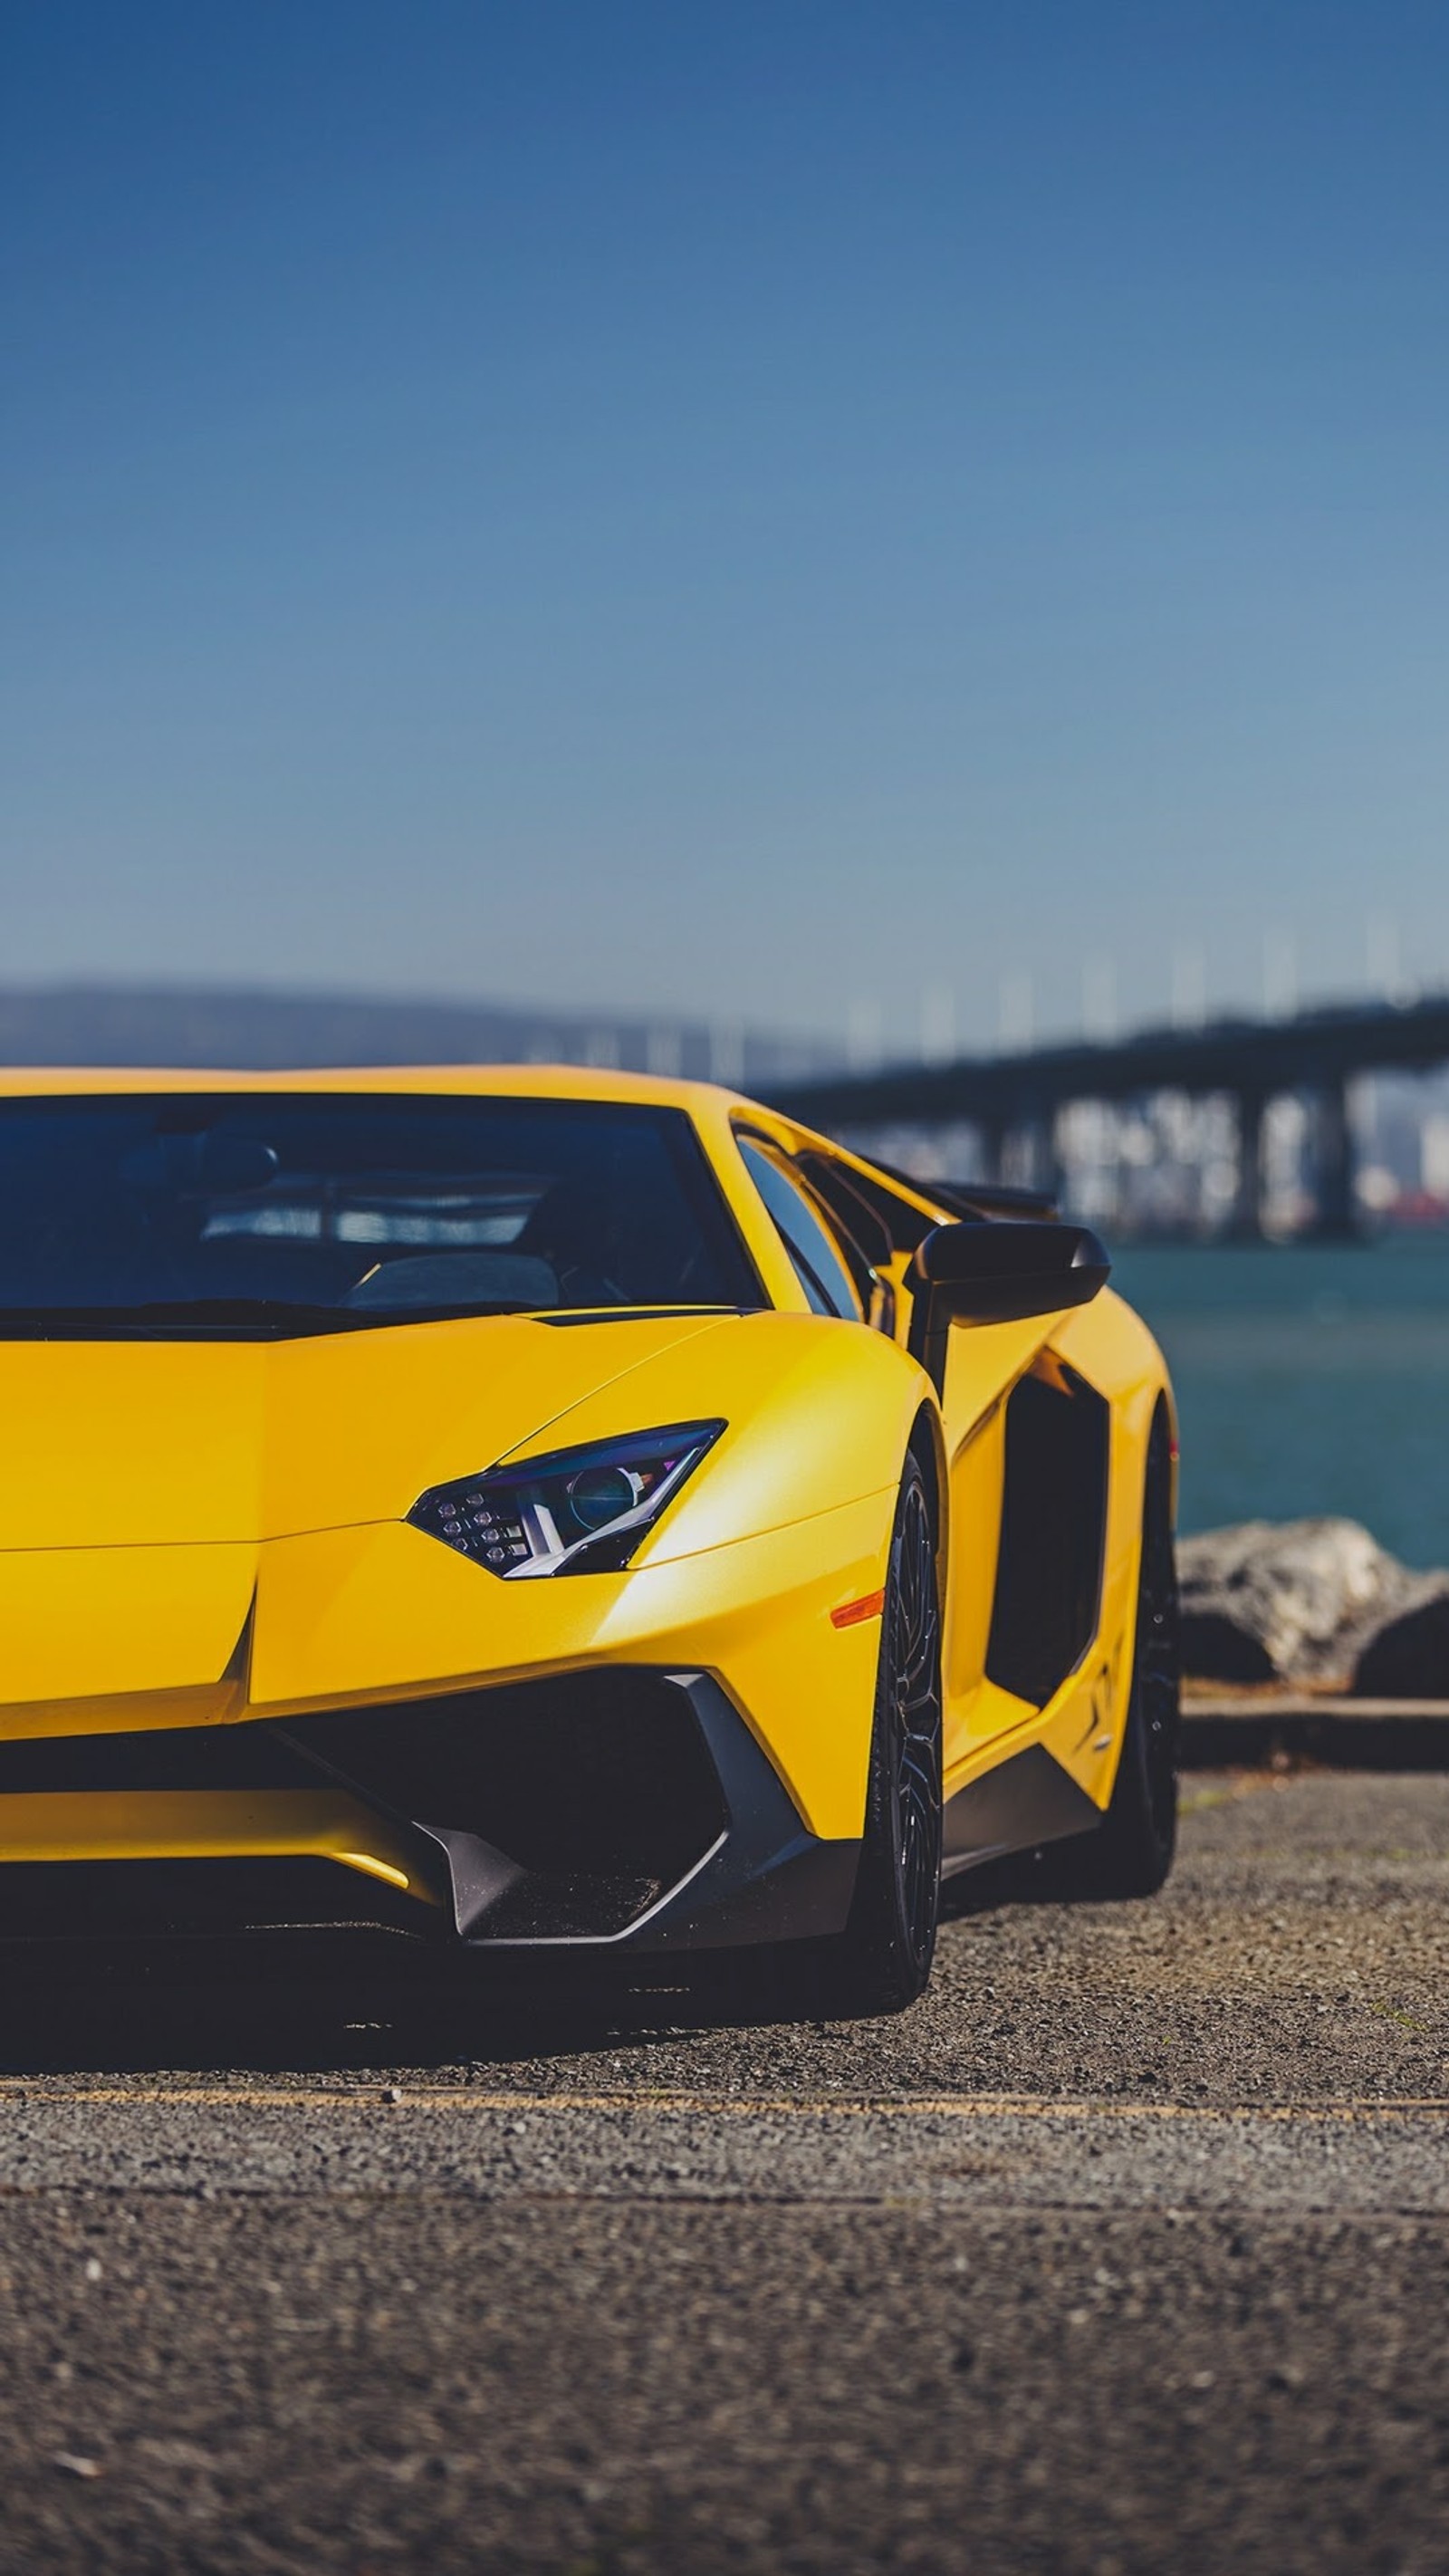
{"x": 726, "y": 508}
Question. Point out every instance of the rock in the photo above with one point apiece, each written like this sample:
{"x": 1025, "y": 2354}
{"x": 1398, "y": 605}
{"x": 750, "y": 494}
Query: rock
{"x": 1218, "y": 1646}
{"x": 1408, "y": 1656}
{"x": 1296, "y": 1601}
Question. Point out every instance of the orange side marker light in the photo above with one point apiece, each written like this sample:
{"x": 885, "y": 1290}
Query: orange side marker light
{"x": 850, "y": 1613}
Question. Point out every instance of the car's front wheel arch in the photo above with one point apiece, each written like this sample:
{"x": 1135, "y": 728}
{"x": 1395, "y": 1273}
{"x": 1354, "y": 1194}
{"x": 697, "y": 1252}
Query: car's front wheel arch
{"x": 883, "y": 1958}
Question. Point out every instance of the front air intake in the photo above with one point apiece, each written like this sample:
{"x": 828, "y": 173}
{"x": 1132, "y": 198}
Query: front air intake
{"x": 597, "y": 1786}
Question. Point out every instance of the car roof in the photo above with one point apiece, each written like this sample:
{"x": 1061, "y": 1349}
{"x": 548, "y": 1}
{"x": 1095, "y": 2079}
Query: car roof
{"x": 537, "y": 1081}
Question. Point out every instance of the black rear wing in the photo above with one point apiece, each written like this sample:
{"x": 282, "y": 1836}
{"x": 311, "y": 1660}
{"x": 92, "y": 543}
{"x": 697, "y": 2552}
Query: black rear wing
{"x": 978, "y": 1198}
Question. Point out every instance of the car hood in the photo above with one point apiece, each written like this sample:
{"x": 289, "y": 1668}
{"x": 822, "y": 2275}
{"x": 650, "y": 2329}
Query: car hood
{"x": 148, "y": 1443}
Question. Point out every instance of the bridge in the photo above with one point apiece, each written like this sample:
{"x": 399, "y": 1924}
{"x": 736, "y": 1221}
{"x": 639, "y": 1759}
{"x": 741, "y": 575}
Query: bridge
{"x": 1014, "y": 1101}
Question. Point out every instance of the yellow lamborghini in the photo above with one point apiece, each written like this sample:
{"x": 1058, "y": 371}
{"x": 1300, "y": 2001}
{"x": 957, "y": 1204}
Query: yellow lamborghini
{"x": 548, "y": 1511}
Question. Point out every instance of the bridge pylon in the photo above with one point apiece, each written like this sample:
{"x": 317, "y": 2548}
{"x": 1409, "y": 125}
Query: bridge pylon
{"x": 1336, "y": 1213}
{"x": 1246, "y": 1225}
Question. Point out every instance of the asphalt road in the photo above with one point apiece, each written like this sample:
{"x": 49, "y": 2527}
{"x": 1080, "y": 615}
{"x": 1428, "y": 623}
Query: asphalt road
{"x": 1127, "y": 2250}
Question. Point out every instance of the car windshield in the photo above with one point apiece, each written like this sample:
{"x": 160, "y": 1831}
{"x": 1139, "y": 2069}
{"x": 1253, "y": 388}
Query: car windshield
{"x": 256, "y": 1212}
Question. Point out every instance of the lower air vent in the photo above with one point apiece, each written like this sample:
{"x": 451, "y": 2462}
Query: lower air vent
{"x": 597, "y": 1785}
{"x": 597, "y": 1788}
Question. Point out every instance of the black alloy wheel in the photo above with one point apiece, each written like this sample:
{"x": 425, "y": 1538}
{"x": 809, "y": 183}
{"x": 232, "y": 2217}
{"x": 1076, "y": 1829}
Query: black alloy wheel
{"x": 884, "y": 1956}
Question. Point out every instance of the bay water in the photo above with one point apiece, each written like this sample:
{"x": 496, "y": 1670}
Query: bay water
{"x": 1310, "y": 1378}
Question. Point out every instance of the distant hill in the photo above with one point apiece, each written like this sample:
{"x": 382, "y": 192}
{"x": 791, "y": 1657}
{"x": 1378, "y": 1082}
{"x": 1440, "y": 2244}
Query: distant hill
{"x": 202, "y": 1025}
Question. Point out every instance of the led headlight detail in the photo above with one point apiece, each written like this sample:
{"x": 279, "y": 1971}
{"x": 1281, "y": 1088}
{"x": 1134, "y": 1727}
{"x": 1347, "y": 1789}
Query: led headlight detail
{"x": 577, "y": 1511}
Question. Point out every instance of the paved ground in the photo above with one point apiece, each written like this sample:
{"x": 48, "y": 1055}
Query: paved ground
{"x": 1127, "y": 2251}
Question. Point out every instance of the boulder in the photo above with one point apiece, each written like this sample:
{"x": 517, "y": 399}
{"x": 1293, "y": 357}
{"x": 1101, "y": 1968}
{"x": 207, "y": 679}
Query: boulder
{"x": 1294, "y": 1601}
{"x": 1408, "y": 1656}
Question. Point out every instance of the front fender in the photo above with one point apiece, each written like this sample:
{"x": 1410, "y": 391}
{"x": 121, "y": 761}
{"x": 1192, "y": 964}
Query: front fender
{"x": 818, "y": 1414}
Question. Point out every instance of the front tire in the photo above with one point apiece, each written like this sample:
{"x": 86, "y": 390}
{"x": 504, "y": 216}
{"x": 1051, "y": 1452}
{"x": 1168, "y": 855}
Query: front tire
{"x": 883, "y": 1958}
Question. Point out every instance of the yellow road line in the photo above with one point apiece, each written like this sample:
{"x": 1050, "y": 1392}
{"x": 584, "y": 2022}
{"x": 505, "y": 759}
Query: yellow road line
{"x": 35, "y": 2095}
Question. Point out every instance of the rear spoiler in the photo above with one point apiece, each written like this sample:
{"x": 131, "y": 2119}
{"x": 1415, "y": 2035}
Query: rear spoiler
{"x": 978, "y": 1198}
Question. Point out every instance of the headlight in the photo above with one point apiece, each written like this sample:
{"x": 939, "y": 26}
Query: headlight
{"x": 578, "y": 1511}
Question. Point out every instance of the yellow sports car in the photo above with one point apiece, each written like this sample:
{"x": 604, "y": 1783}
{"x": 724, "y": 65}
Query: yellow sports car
{"x": 549, "y": 1511}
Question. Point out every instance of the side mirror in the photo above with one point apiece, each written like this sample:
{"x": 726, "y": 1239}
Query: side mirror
{"x": 1002, "y": 1272}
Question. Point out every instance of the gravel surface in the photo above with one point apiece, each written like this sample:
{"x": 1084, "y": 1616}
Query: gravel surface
{"x": 1127, "y": 2250}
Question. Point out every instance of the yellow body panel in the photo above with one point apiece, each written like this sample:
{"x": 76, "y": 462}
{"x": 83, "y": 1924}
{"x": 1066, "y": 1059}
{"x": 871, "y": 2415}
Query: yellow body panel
{"x": 756, "y": 1611}
{"x": 197, "y": 1533}
{"x": 82, "y": 1623}
{"x": 184, "y": 1443}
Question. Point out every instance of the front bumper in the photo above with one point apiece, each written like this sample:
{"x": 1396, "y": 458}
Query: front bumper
{"x": 625, "y": 1809}
{"x": 357, "y": 1726}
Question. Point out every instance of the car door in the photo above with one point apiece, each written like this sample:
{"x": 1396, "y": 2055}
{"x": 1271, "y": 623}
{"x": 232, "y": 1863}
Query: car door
{"x": 1025, "y": 1464}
